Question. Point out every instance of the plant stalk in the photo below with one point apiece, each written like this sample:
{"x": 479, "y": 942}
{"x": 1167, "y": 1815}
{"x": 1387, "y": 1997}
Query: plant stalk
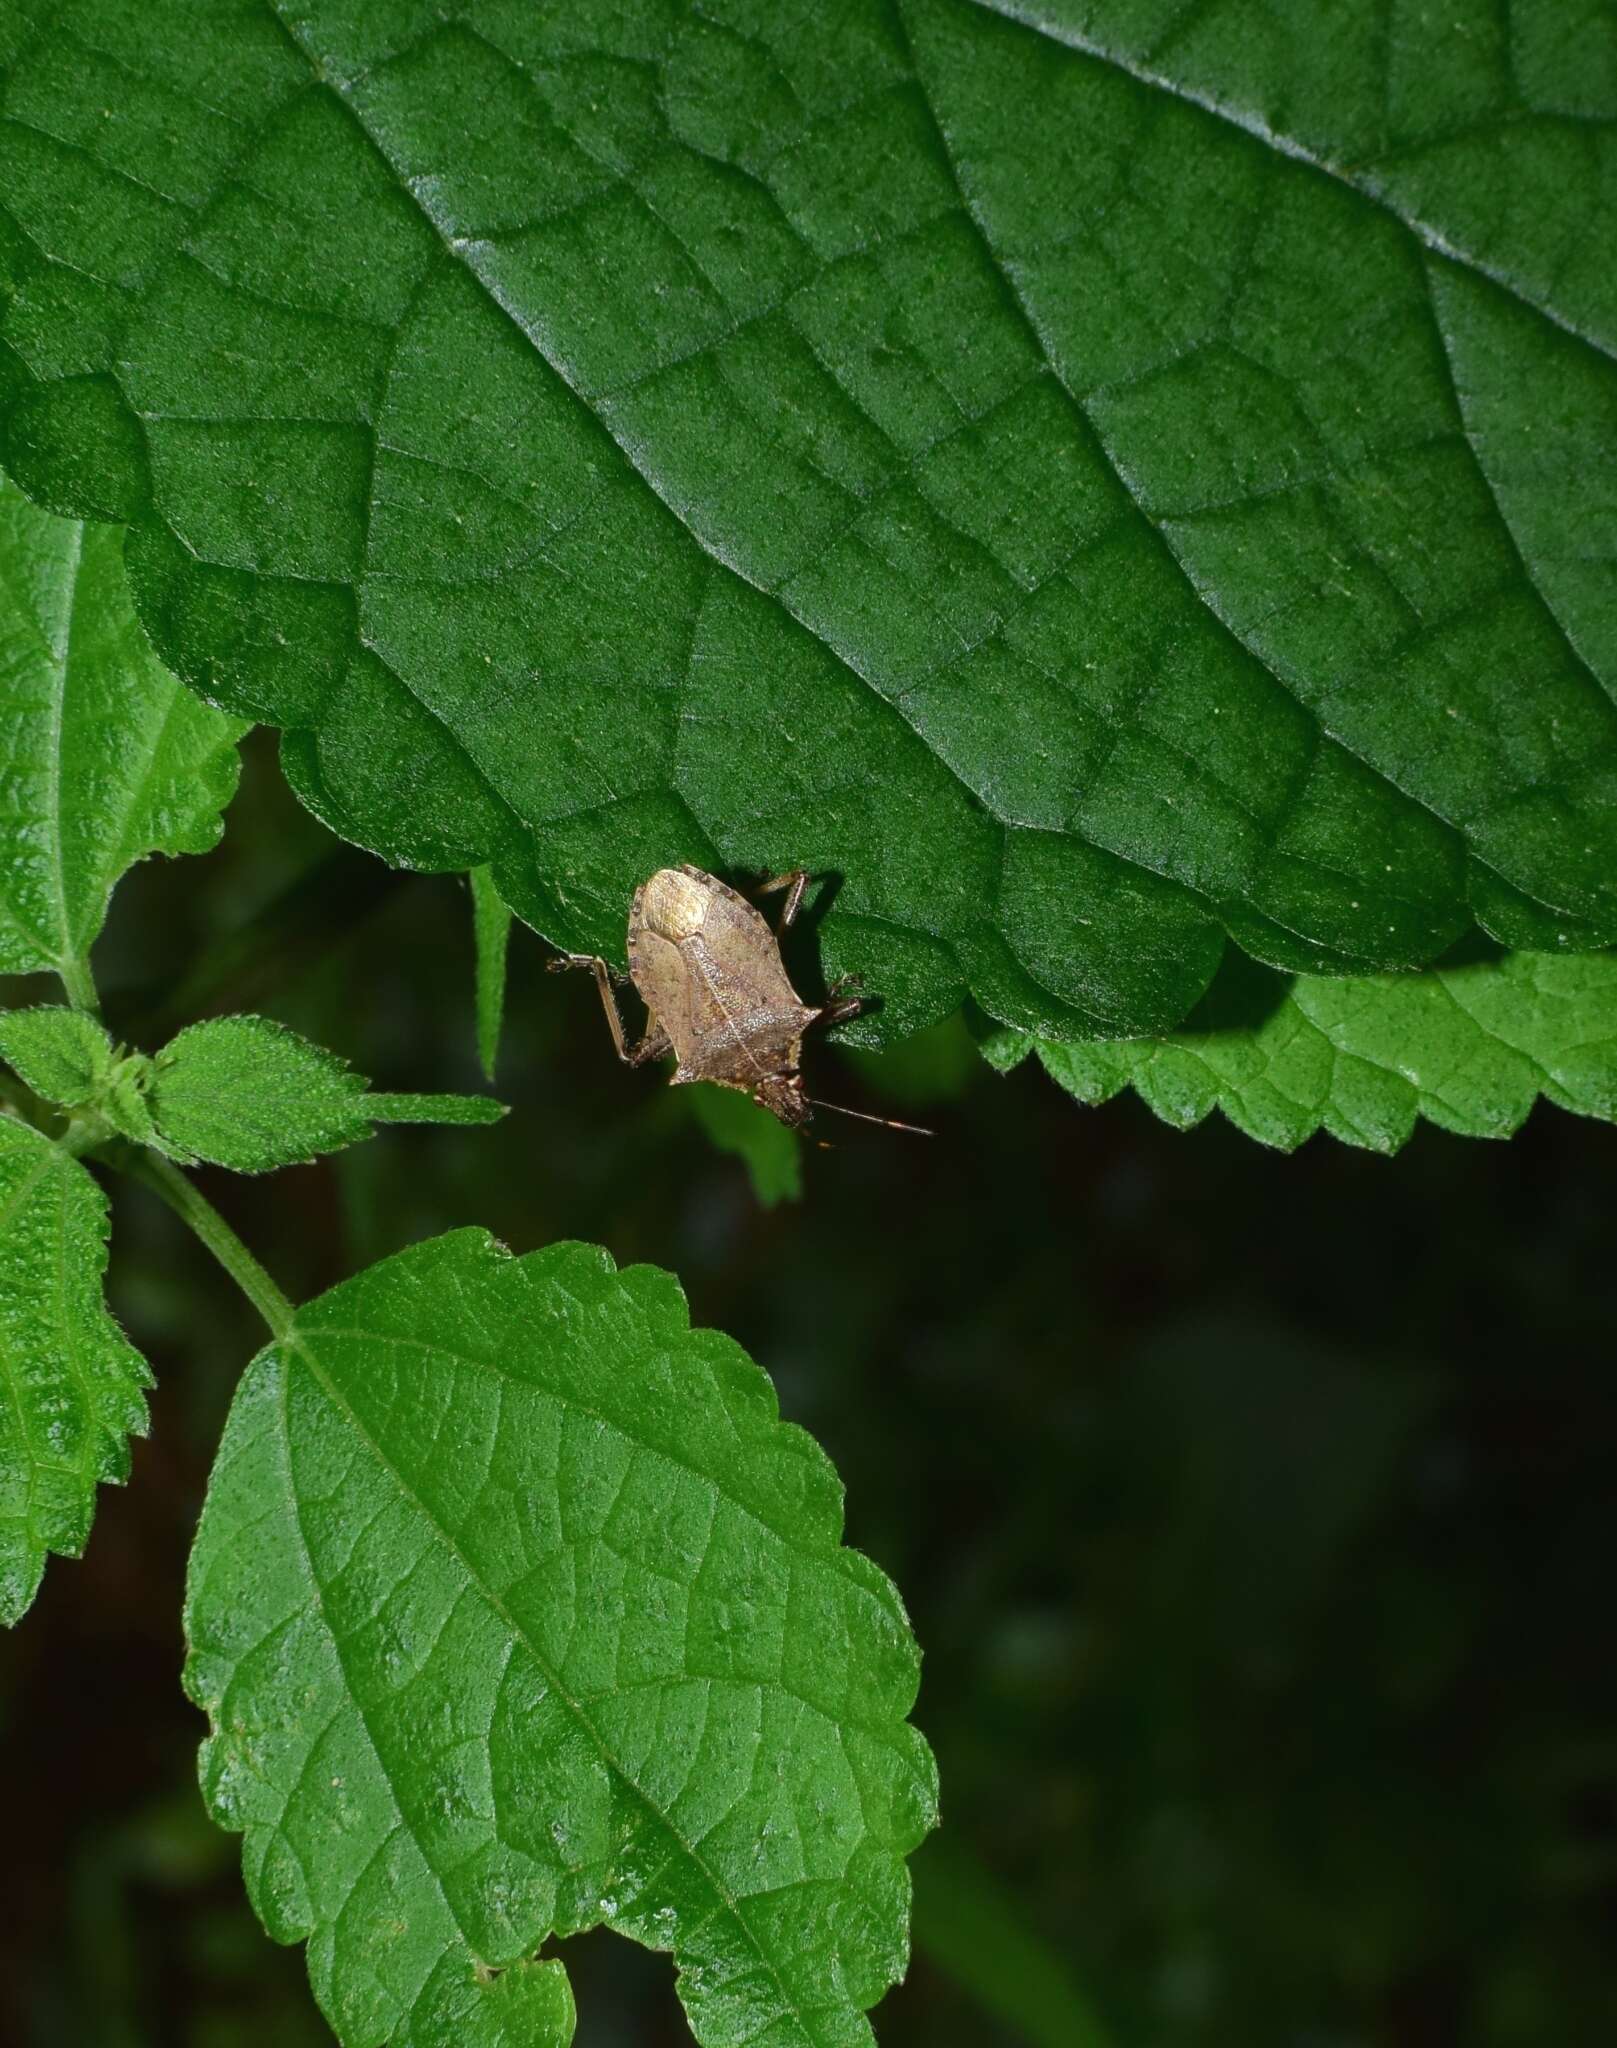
{"x": 199, "y": 1215}
{"x": 188, "y": 1202}
{"x": 76, "y": 978}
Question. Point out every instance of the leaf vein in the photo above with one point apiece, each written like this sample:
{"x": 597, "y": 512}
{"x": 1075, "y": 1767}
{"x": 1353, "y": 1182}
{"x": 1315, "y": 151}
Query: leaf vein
{"x": 541, "y": 1664}
{"x": 1284, "y": 145}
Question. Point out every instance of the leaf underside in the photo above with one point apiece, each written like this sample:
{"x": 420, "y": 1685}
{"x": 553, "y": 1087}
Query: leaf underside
{"x": 516, "y": 1610}
{"x": 1471, "y": 1048}
{"x": 1099, "y": 483}
{"x": 71, "y": 1383}
{"x": 104, "y": 758}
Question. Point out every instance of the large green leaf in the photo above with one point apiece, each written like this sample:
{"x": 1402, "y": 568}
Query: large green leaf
{"x": 1098, "y": 482}
{"x": 516, "y": 1610}
{"x": 70, "y": 1382}
{"x": 103, "y": 757}
{"x": 1471, "y": 1047}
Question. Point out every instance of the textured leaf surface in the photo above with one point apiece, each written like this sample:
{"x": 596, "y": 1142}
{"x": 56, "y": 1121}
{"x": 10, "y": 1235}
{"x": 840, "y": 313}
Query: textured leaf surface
{"x": 1472, "y": 1048}
{"x": 104, "y": 758}
{"x": 68, "y": 1058}
{"x": 64, "y": 1055}
{"x": 71, "y": 1383}
{"x": 247, "y": 1093}
{"x": 1098, "y": 478}
{"x": 515, "y": 1609}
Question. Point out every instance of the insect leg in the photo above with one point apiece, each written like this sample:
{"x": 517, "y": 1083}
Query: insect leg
{"x": 653, "y": 1043}
{"x": 794, "y": 883}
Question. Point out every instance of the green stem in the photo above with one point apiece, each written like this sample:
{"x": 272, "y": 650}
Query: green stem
{"x": 76, "y": 978}
{"x": 165, "y": 1179}
{"x": 198, "y": 1213}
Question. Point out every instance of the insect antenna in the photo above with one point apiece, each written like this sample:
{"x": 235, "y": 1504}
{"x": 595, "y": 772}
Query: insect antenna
{"x": 888, "y": 1123}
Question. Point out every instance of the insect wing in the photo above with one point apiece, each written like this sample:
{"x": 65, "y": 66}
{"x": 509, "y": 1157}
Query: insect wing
{"x": 676, "y": 997}
{"x": 741, "y": 949}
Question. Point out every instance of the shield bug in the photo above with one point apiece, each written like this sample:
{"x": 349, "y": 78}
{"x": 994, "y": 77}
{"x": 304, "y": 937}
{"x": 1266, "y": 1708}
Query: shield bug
{"x": 708, "y": 968}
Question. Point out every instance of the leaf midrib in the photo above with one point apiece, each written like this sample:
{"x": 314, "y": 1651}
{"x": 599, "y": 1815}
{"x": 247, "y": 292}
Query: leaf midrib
{"x": 454, "y": 249}
{"x": 786, "y": 1537}
{"x": 457, "y": 255}
{"x": 1253, "y": 124}
{"x": 1160, "y": 526}
{"x": 296, "y": 1341}
{"x": 619, "y": 1428}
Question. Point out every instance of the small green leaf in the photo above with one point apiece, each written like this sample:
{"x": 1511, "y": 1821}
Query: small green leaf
{"x": 71, "y": 1381}
{"x": 1470, "y": 1047}
{"x": 772, "y": 1155}
{"x": 516, "y": 1610}
{"x": 1102, "y": 478}
{"x": 107, "y": 757}
{"x": 491, "y": 929}
{"x": 66, "y": 1057}
{"x": 247, "y": 1093}
{"x": 123, "y": 1102}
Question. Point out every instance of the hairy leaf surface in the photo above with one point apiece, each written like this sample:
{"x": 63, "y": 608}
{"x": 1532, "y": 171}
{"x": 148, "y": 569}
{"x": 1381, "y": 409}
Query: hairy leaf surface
{"x": 1472, "y": 1048}
{"x": 104, "y": 758}
{"x": 71, "y": 1383}
{"x": 64, "y": 1055}
{"x": 247, "y": 1093}
{"x": 517, "y": 1610}
{"x": 1098, "y": 478}
{"x": 68, "y": 1057}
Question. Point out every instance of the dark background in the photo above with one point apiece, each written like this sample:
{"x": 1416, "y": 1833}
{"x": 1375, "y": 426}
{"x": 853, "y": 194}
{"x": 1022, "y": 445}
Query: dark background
{"x": 1255, "y": 1514}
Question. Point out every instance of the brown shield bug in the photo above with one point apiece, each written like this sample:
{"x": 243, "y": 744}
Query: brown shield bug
{"x": 708, "y": 969}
